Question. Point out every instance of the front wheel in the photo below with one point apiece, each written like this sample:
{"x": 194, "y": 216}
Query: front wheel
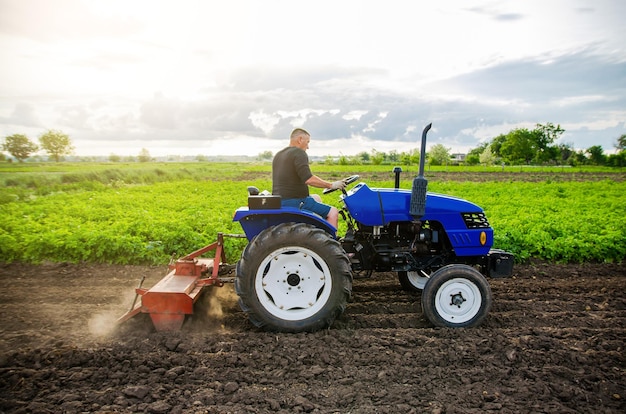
{"x": 293, "y": 277}
{"x": 412, "y": 281}
{"x": 456, "y": 296}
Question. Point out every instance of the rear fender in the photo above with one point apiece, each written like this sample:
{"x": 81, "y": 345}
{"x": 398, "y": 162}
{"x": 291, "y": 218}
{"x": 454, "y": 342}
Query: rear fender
{"x": 254, "y": 222}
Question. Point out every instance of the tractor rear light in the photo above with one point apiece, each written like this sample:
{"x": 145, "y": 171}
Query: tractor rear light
{"x": 475, "y": 220}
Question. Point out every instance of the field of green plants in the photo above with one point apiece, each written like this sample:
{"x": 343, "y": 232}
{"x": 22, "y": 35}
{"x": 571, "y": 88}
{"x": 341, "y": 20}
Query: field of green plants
{"x": 143, "y": 213}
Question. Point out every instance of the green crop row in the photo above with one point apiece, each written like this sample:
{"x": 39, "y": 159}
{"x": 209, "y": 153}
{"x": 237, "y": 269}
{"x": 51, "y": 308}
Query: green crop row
{"x": 147, "y": 215}
{"x": 134, "y": 224}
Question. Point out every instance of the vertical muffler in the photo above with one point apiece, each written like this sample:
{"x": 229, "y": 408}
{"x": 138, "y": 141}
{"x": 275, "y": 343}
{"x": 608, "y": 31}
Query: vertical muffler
{"x": 420, "y": 184}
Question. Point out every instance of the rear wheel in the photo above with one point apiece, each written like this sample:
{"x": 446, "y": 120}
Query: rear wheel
{"x": 456, "y": 296}
{"x": 293, "y": 277}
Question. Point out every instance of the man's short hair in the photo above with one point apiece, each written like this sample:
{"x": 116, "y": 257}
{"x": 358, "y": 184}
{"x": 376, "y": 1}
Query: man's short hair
{"x": 297, "y": 132}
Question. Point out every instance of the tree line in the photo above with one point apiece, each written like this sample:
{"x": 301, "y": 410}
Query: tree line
{"x": 55, "y": 143}
{"x": 523, "y": 146}
{"x": 520, "y": 146}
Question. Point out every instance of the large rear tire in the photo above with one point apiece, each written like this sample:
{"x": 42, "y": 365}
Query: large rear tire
{"x": 456, "y": 296}
{"x": 293, "y": 277}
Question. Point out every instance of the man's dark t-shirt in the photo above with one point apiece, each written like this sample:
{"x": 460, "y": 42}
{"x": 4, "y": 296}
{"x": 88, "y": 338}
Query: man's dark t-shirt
{"x": 290, "y": 170}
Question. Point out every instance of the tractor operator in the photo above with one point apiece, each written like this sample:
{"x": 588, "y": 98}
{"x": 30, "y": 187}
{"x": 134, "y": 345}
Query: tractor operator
{"x": 292, "y": 176}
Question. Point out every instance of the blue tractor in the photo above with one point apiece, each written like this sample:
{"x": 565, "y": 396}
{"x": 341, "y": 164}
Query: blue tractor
{"x": 296, "y": 273}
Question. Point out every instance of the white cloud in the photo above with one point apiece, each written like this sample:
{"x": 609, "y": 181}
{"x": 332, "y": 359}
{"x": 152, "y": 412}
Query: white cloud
{"x": 613, "y": 119}
{"x": 266, "y": 122}
{"x": 354, "y": 115}
{"x": 582, "y": 99}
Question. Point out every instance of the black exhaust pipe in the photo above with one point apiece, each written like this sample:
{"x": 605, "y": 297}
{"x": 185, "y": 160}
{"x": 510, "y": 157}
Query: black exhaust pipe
{"x": 420, "y": 184}
{"x": 397, "y": 171}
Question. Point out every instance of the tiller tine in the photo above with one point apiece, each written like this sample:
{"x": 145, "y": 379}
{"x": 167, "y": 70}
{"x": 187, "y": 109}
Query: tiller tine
{"x": 173, "y": 297}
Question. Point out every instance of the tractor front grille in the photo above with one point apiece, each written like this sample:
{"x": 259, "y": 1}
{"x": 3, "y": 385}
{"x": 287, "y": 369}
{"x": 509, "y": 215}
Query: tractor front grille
{"x": 475, "y": 220}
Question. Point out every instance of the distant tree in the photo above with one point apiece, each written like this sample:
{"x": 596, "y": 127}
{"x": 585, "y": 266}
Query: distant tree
{"x": 144, "y": 156}
{"x": 201, "y": 158}
{"x": 596, "y": 155}
{"x": 114, "y": 158}
{"x": 56, "y": 144}
{"x": 496, "y": 145}
{"x": 520, "y": 146}
{"x": 545, "y": 135}
{"x": 548, "y": 134}
{"x": 549, "y": 155}
{"x": 439, "y": 155}
{"x": 524, "y": 146}
{"x": 487, "y": 157}
{"x": 19, "y": 146}
{"x": 409, "y": 158}
{"x": 365, "y": 157}
{"x": 378, "y": 157}
{"x": 355, "y": 160}
{"x": 266, "y": 155}
{"x": 2, "y": 157}
{"x": 577, "y": 158}
{"x": 621, "y": 143}
{"x": 393, "y": 156}
{"x": 472, "y": 159}
{"x": 617, "y": 160}
{"x": 415, "y": 156}
{"x": 473, "y": 156}
{"x": 564, "y": 152}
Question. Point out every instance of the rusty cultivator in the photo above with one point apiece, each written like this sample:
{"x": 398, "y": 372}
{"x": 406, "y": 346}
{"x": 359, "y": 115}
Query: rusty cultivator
{"x": 173, "y": 297}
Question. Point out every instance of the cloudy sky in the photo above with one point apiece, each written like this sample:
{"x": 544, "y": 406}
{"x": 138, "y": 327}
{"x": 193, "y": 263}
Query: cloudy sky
{"x": 189, "y": 77}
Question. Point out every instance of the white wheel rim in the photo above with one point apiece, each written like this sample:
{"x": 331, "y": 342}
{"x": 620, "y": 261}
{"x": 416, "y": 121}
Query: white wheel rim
{"x": 417, "y": 280}
{"x": 293, "y": 283}
{"x": 458, "y": 300}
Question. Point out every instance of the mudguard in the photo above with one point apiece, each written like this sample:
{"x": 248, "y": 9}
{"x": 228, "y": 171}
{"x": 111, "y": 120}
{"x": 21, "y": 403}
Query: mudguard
{"x": 255, "y": 221}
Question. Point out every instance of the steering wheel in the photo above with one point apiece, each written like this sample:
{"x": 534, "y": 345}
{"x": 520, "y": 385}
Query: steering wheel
{"x": 348, "y": 181}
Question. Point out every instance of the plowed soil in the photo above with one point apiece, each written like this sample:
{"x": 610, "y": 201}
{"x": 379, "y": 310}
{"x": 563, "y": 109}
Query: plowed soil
{"x": 553, "y": 343}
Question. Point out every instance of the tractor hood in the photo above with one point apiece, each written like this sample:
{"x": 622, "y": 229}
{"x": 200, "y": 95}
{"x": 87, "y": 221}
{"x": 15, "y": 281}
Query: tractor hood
{"x": 380, "y": 206}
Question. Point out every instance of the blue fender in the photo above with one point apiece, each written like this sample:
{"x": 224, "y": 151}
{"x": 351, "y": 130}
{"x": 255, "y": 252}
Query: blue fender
{"x": 254, "y": 222}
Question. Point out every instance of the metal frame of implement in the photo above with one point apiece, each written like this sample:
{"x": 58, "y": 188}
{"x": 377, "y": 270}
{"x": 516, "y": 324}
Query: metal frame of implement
{"x": 173, "y": 297}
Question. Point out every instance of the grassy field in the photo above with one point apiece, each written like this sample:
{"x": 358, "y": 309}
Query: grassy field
{"x": 133, "y": 213}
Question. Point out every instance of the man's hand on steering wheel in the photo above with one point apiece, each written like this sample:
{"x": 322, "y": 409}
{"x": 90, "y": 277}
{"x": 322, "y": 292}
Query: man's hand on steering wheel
{"x": 338, "y": 185}
{"x": 341, "y": 184}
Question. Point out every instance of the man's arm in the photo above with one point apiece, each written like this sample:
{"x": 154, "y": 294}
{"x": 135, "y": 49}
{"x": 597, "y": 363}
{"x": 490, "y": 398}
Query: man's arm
{"x": 315, "y": 181}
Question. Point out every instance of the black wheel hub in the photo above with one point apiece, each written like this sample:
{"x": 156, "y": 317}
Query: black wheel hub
{"x": 457, "y": 299}
{"x": 293, "y": 279}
